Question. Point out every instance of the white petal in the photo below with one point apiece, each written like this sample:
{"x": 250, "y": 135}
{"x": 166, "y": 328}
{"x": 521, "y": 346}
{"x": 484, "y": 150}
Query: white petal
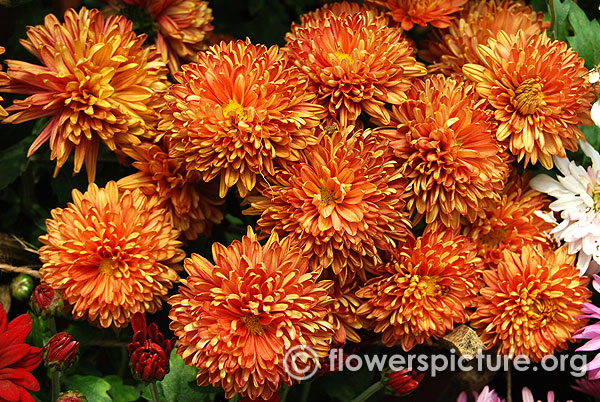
{"x": 583, "y": 262}
{"x": 562, "y": 164}
{"x": 586, "y": 146}
{"x": 596, "y": 113}
{"x": 545, "y": 184}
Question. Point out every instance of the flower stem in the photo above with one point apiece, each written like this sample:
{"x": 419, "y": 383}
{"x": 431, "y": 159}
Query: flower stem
{"x": 55, "y": 385}
{"x": 305, "y": 392}
{"x": 369, "y": 392}
{"x": 284, "y": 393}
{"x": 508, "y": 384}
{"x": 154, "y": 392}
{"x": 52, "y": 325}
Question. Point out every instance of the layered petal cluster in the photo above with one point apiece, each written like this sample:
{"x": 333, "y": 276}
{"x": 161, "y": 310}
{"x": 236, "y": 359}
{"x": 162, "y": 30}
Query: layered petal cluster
{"x": 181, "y": 26}
{"x": 512, "y": 222}
{"x": 533, "y": 84}
{"x": 443, "y": 139}
{"x": 407, "y": 13}
{"x": 3, "y": 112}
{"x": 17, "y": 359}
{"x": 237, "y": 318}
{"x": 236, "y": 111}
{"x": 110, "y": 254}
{"x": 577, "y": 194}
{"x": 342, "y": 205}
{"x": 451, "y": 48}
{"x": 355, "y": 63}
{"x": 342, "y": 311}
{"x": 592, "y": 333}
{"x": 486, "y": 395}
{"x": 530, "y": 303}
{"x": 425, "y": 288}
{"x": 149, "y": 351}
{"x": 97, "y": 83}
{"x": 193, "y": 205}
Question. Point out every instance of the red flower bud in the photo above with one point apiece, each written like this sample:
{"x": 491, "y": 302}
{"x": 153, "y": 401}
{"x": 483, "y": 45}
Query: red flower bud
{"x": 149, "y": 358}
{"x": 46, "y": 302}
{"x": 61, "y": 351}
{"x": 71, "y": 396}
{"x": 402, "y": 382}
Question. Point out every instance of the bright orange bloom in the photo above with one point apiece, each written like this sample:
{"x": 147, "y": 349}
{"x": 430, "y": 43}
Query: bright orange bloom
{"x": 451, "y": 48}
{"x": 422, "y": 12}
{"x": 342, "y": 311}
{"x": 237, "y": 318}
{"x": 236, "y": 111}
{"x": 192, "y": 204}
{"x": 512, "y": 222}
{"x": 353, "y": 60}
{"x": 181, "y": 26}
{"x": 110, "y": 254}
{"x": 342, "y": 205}
{"x": 3, "y": 113}
{"x": 97, "y": 83}
{"x": 535, "y": 86}
{"x": 426, "y": 287}
{"x": 530, "y": 303}
{"x": 444, "y": 141}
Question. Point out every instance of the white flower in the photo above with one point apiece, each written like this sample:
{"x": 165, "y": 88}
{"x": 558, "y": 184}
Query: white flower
{"x": 596, "y": 113}
{"x": 577, "y": 195}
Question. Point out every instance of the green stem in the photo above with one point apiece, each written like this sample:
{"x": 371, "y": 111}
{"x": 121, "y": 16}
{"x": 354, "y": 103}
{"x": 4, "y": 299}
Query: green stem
{"x": 369, "y": 392}
{"x": 124, "y": 361}
{"x": 154, "y": 392}
{"x": 305, "y": 392}
{"x": 52, "y": 325}
{"x": 55, "y": 385}
{"x": 284, "y": 393}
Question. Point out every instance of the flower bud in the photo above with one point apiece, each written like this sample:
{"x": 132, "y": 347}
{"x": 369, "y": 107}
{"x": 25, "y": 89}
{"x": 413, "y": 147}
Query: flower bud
{"x": 71, "y": 396}
{"x": 21, "y": 287}
{"x": 46, "y": 302}
{"x": 61, "y": 352}
{"x": 149, "y": 358}
{"x": 402, "y": 382}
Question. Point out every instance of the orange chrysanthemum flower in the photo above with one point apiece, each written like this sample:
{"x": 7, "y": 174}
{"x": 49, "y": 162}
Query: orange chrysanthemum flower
{"x": 530, "y": 303}
{"x": 342, "y": 205}
{"x": 110, "y": 254}
{"x": 342, "y": 311}
{"x": 192, "y": 204}
{"x": 421, "y": 12}
{"x": 425, "y": 288}
{"x": 535, "y": 86}
{"x": 353, "y": 60}
{"x": 236, "y": 319}
{"x": 236, "y": 111}
{"x": 179, "y": 27}
{"x": 444, "y": 140}
{"x": 97, "y": 83}
{"x": 512, "y": 222}
{"x": 449, "y": 49}
{"x": 3, "y": 112}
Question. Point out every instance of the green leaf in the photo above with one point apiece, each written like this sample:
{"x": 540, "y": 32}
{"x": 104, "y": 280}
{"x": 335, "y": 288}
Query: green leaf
{"x": 179, "y": 384}
{"x": 121, "y": 392}
{"x": 584, "y": 29}
{"x": 559, "y": 13}
{"x": 94, "y": 388}
{"x": 13, "y": 161}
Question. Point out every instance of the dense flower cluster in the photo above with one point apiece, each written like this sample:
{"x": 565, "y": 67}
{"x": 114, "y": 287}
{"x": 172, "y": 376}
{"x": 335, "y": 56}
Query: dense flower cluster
{"x": 383, "y": 179}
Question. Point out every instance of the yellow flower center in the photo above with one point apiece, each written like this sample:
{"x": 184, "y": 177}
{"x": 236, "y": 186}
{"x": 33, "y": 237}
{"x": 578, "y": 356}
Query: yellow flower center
{"x": 253, "y": 324}
{"x": 233, "y": 106}
{"x": 107, "y": 267}
{"x": 343, "y": 56}
{"x": 327, "y": 196}
{"x": 494, "y": 237}
{"x": 529, "y": 97}
{"x": 542, "y": 310}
